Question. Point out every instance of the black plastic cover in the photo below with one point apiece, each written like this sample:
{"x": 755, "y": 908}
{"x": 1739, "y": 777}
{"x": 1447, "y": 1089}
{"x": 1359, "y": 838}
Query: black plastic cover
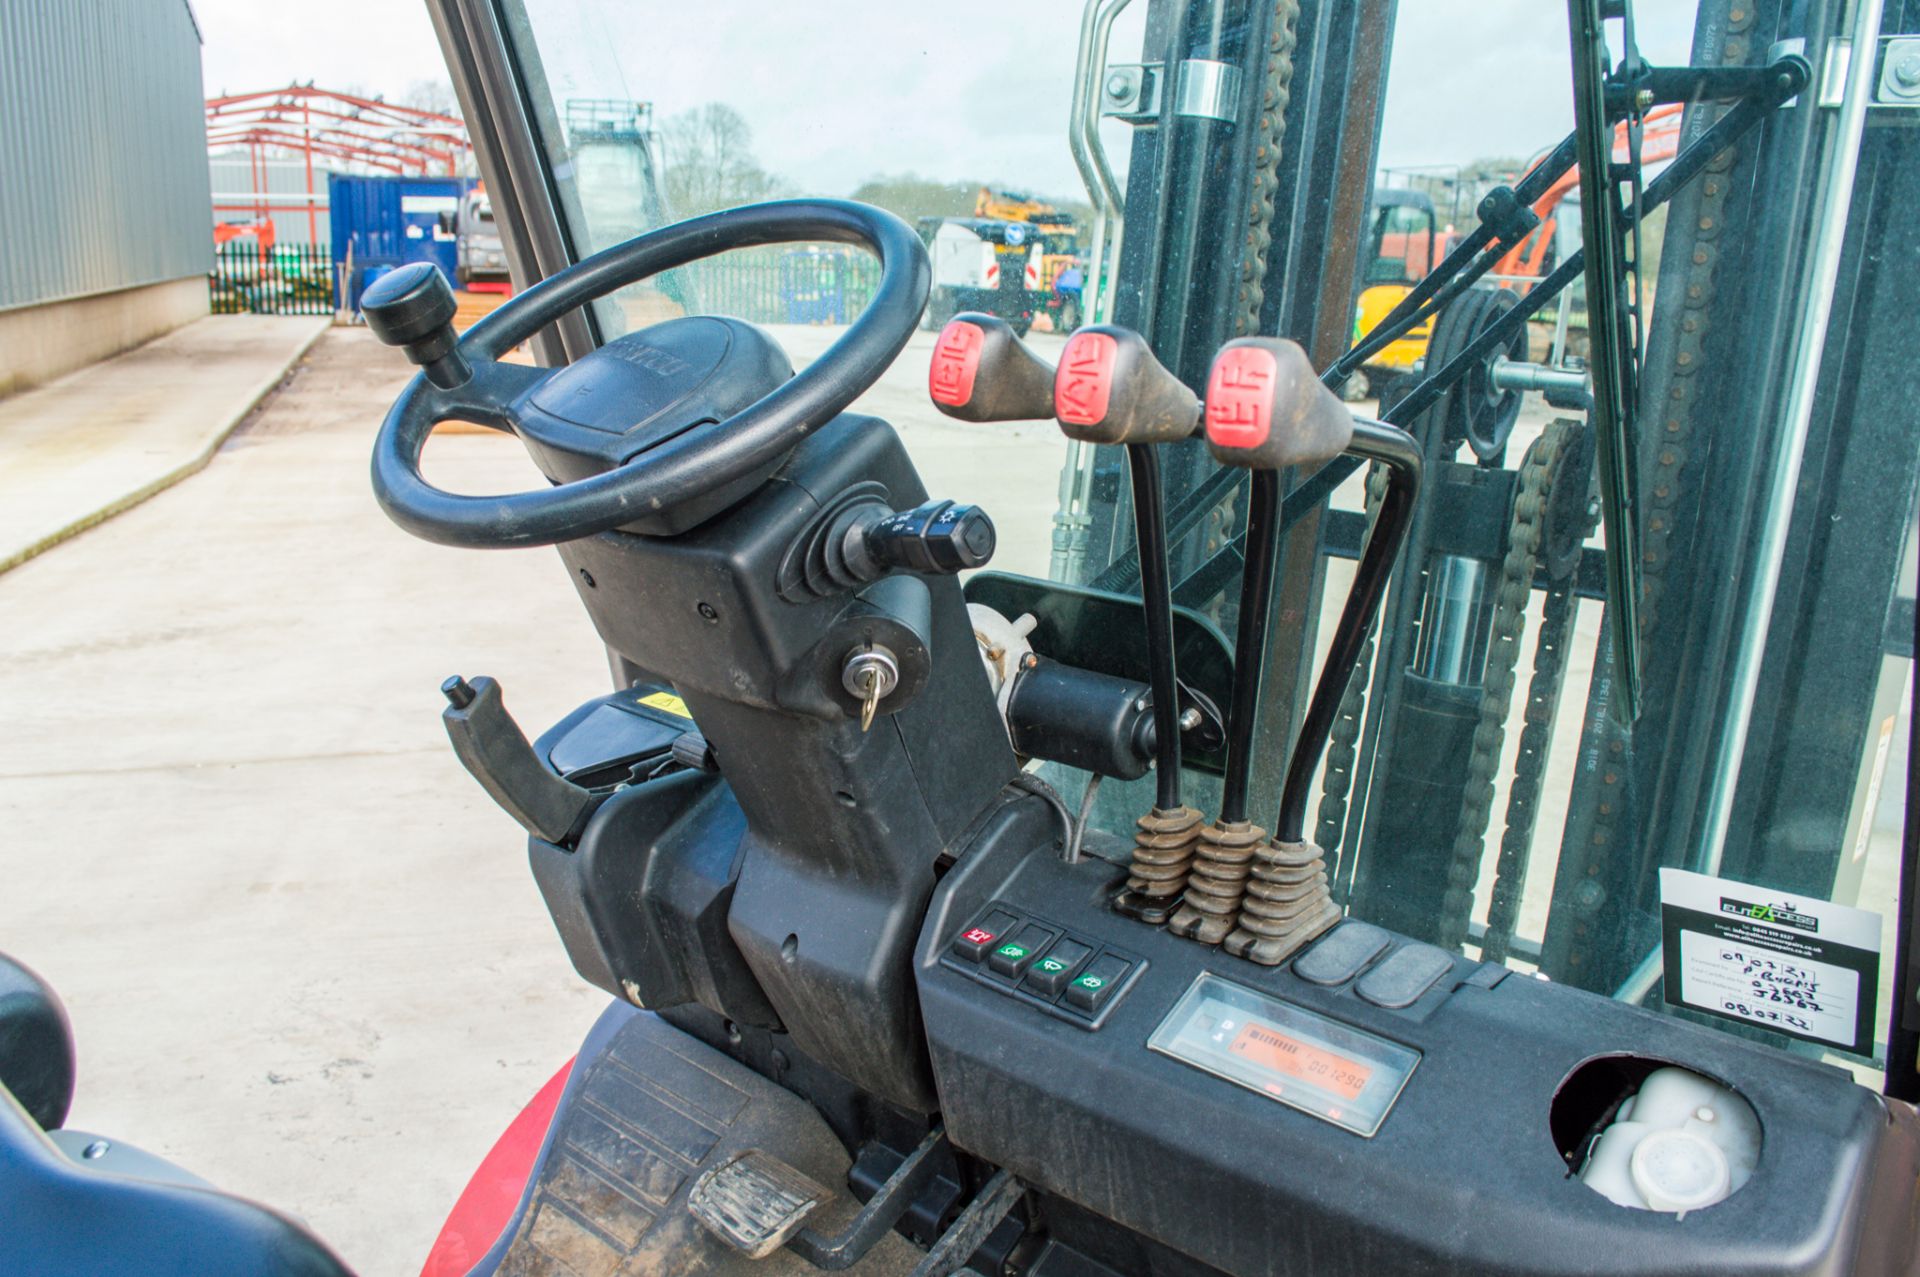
{"x": 844, "y": 827}
{"x": 640, "y": 390}
{"x": 641, "y": 904}
{"x": 605, "y": 740}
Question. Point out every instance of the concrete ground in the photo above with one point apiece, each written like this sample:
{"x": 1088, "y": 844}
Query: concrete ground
{"x": 94, "y": 442}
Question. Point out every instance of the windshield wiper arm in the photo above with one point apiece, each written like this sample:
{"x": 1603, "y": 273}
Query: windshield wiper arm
{"x": 1725, "y": 131}
{"x": 1506, "y": 218}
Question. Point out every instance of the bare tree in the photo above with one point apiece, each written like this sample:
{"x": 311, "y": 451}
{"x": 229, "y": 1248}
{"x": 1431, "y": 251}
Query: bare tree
{"x": 431, "y": 95}
{"x": 710, "y": 162}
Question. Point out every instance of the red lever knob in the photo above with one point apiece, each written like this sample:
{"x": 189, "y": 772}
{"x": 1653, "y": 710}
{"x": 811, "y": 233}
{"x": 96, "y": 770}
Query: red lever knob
{"x": 1110, "y": 389}
{"x": 1267, "y": 409}
{"x": 982, "y": 371}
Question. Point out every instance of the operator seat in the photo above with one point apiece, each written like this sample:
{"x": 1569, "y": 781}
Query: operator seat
{"x": 80, "y": 1216}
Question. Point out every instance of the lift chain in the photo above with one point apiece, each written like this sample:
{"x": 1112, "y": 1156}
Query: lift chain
{"x": 1344, "y": 737}
{"x": 1524, "y": 536}
{"x": 1661, "y": 494}
{"x": 1269, "y": 134}
{"x": 1529, "y": 769}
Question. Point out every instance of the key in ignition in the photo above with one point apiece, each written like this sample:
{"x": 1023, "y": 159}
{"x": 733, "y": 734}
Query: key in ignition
{"x": 869, "y": 674}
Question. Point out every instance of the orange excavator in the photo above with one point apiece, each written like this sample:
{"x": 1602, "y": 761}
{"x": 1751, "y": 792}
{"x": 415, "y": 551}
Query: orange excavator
{"x": 260, "y": 232}
{"x": 1534, "y": 256}
{"x": 1405, "y": 241}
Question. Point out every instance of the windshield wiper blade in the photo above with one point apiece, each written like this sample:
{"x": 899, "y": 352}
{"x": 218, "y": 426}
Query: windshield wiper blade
{"x": 1611, "y": 351}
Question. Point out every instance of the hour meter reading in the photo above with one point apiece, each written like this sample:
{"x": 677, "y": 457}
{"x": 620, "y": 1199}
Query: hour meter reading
{"x": 1338, "y": 1073}
{"x": 1273, "y": 1050}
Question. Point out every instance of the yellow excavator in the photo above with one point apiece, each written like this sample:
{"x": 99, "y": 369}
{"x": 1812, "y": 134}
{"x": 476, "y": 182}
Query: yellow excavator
{"x": 1404, "y": 241}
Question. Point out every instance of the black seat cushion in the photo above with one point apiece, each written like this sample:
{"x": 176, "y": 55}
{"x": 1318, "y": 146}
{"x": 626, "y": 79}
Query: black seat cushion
{"x": 36, "y": 1045}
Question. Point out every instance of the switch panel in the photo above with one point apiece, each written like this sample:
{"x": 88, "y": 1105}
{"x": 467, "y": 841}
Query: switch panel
{"x": 1075, "y": 978}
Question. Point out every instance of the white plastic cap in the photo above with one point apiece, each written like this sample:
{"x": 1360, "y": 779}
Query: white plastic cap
{"x": 1679, "y": 1170}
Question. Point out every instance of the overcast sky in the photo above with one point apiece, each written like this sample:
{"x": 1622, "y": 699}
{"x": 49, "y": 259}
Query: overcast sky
{"x": 838, "y": 92}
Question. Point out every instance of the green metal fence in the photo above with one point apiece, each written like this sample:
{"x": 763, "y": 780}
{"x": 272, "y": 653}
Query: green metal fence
{"x": 287, "y": 279}
{"x": 778, "y": 285}
{"x": 773, "y": 285}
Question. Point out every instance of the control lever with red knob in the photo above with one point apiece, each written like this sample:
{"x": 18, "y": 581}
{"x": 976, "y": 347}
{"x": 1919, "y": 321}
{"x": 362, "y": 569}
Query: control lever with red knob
{"x": 982, "y": 371}
{"x": 1267, "y": 410}
{"x": 1110, "y": 389}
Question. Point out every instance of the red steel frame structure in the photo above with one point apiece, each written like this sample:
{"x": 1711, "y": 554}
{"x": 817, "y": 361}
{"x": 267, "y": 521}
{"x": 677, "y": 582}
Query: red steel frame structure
{"x": 307, "y": 121}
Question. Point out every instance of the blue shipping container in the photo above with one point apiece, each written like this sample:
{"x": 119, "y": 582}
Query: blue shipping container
{"x": 390, "y": 221}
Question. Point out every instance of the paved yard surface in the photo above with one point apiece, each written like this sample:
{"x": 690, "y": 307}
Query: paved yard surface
{"x": 94, "y": 442}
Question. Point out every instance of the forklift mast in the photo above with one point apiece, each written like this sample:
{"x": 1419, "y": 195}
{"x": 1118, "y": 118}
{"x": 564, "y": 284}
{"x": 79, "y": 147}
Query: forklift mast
{"x": 1250, "y": 175}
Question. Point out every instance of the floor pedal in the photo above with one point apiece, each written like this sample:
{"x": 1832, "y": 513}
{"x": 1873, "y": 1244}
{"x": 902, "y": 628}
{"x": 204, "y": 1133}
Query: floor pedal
{"x": 754, "y": 1202}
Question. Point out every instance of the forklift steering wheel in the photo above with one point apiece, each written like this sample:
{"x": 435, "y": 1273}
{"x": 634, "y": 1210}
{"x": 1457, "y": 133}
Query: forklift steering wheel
{"x": 464, "y": 380}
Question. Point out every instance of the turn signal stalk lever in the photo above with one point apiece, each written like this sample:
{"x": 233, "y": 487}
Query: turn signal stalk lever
{"x": 1266, "y": 409}
{"x": 936, "y": 539}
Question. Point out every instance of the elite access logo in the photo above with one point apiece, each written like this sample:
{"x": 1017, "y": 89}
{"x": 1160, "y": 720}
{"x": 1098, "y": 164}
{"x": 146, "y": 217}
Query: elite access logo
{"x": 1782, "y": 915}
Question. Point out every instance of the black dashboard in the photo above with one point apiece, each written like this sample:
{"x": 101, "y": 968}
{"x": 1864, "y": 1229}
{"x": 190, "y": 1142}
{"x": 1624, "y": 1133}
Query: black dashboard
{"x": 1495, "y": 1077}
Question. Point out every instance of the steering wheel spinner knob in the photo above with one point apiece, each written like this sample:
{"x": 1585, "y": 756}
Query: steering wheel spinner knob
{"x": 412, "y": 307}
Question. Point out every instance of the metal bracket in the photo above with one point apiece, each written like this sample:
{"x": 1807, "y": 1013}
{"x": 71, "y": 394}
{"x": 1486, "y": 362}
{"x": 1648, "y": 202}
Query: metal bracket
{"x": 1203, "y": 90}
{"x": 1208, "y": 90}
{"x": 1131, "y": 92}
{"x": 1899, "y": 83}
{"x": 1832, "y": 89}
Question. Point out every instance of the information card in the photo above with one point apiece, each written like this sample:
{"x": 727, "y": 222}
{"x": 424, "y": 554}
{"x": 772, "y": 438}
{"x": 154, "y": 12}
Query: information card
{"x": 1802, "y": 967}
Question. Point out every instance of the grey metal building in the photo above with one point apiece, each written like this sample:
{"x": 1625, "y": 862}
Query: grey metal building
{"x": 236, "y": 178}
{"x": 104, "y": 196}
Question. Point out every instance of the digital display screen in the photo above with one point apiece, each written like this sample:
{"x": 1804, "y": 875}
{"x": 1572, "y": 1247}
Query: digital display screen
{"x": 1308, "y": 1061}
{"x": 1269, "y": 1048}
